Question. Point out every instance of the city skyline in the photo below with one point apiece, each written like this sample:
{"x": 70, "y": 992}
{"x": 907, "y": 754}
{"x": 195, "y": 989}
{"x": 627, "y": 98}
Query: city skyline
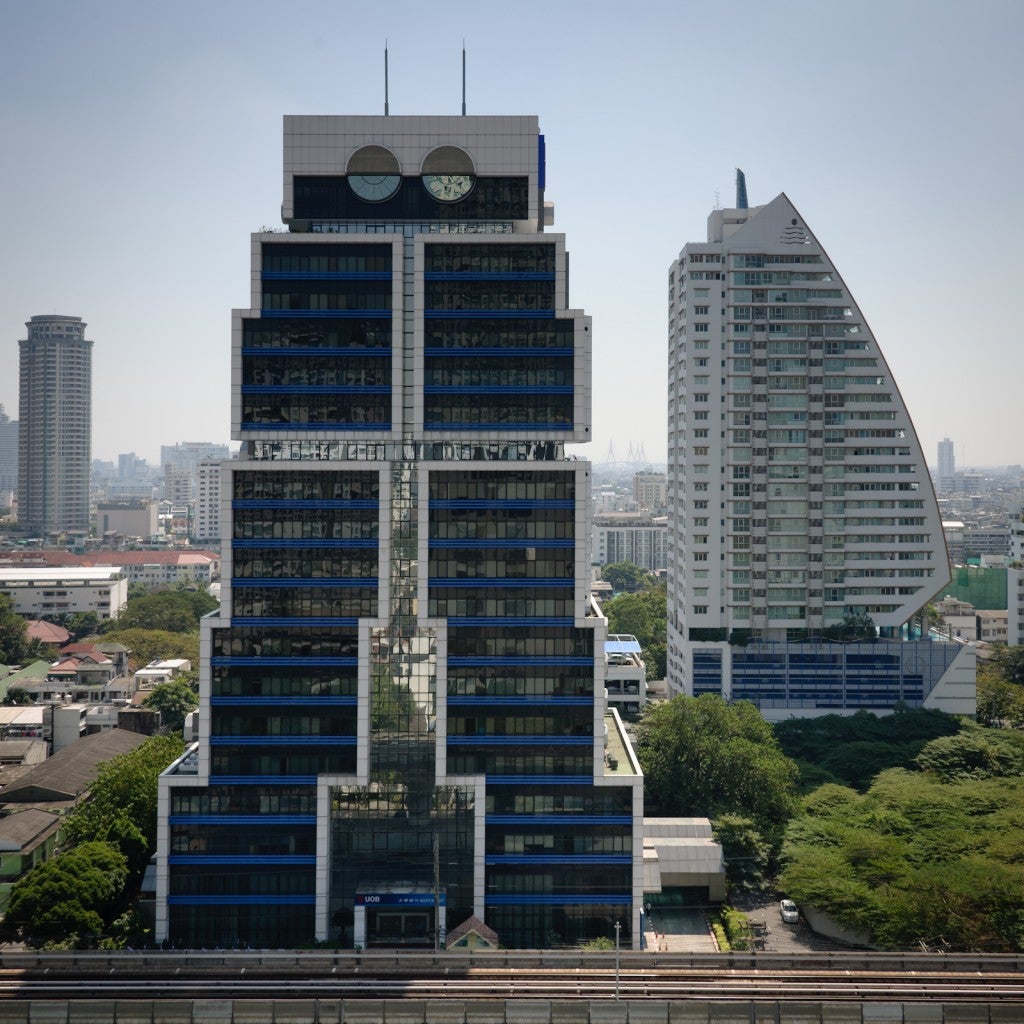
{"x": 908, "y": 144}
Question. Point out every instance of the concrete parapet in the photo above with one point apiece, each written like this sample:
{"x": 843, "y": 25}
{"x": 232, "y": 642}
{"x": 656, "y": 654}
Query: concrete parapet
{"x": 510, "y": 1011}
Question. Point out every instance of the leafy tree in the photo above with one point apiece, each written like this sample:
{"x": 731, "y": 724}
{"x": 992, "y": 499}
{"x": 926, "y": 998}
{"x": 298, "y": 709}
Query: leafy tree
{"x": 15, "y": 645}
{"x": 974, "y": 754}
{"x": 626, "y": 576}
{"x": 149, "y": 645}
{"x": 917, "y": 859}
{"x": 704, "y": 757}
{"x": 1010, "y": 663}
{"x": 174, "y": 700}
{"x": 122, "y": 804}
{"x": 854, "y": 748}
{"x": 747, "y": 855}
{"x": 1000, "y": 703}
{"x": 71, "y": 894}
{"x": 172, "y": 611}
{"x": 645, "y": 616}
{"x": 854, "y": 626}
{"x": 17, "y": 696}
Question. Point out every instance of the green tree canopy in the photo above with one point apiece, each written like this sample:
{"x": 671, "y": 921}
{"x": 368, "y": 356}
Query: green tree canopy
{"x": 626, "y": 576}
{"x": 644, "y": 615}
{"x": 15, "y": 645}
{"x": 70, "y": 896}
{"x": 175, "y": 611}
{"x": 174, "y": 700}
{"x": 748, "y": 856}
{"x": 149, "y": 645}
{"x": 1010, "y": 663}
{"x": 854, "y": 748}
{"x": 917, "y": 859}
{"x": 704, "y": 757}
{"x": 854, "y": 626}
{"x": 122, "y": 804}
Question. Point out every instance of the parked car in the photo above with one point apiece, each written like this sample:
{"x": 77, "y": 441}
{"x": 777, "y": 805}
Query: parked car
{"x": 788, "y": 909}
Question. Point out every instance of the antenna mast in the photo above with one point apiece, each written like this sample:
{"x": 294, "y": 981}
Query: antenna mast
{"x": 463, "y": 77}
{"x": 386, "y": 111}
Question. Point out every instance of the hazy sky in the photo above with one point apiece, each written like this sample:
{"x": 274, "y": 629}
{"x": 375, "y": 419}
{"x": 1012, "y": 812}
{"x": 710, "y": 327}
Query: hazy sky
{"x": 141, "y": 144}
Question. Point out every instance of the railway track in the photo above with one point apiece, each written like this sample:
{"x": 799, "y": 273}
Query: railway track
{"x": 170, "y": 980}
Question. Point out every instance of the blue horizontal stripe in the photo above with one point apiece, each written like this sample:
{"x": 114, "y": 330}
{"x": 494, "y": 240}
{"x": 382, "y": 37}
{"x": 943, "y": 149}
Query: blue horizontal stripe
{"x": 374, "y": 351}
{"x": 316, "y": 389}
{"x": 284, "y": 702}
{"x": 305, "y": 503}
{"x": 303, "y": 661}
{"x": 296, "y": 621}
{"x": 487, "y": 314}
{"x": 490, "y": 702}
{"x": 469, "y": 662}
{"x": 506, "y": 428}
{"x": 520, "y": 741}
{"x": 506, "y": 581}
{"x": 582, "y": 859}
{"x": 262, "y": 780}
{"x": 465, "y": 622}
{"x": 242, "y": 901}
{"x": 256, "y": 428}
{"x": 489, "y": 275}
{"x": 243, "y": 819}
{"x": 325, "y": 314}
{"x": 276, "y": 581}
{"x": 530, "y": 352}
{"x": 498, "y": 389}
{"x": 270, "y": 859}
{"x": 489, "y": 543}
{"x": 528, "y": 820}
{"x": 540, "y": 780}
{"x": 502, "y": 503}
{"x": 308, "y": 542}
{"x": 283, "y": 741}
{"x": 326, "y": 275}
{"x": 551, "y": 899}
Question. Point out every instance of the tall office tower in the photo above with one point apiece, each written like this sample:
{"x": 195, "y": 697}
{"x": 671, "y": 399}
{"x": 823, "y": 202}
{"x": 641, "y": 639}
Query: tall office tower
{"x": 798, "y": 489}
{"x": 402, "y": 713}
{"x": 946, "y": 482}
{"x": 55, "y": 425}
{"x": 8, "y": 457}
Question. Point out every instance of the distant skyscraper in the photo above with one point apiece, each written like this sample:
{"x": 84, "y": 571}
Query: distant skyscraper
{"x": 946, "y": 481}
{"x": 8, "y": 456}
{"x": 55, "y": 425}
{"x": 798, "y": 490}
{"x": 180, "y": 463}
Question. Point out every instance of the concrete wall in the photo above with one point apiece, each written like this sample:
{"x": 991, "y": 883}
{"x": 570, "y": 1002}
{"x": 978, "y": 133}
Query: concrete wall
{"x": 518, "y": 1011}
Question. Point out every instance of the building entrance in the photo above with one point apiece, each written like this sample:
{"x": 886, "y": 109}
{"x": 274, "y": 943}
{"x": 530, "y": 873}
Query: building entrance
{"x": 402, "y": 917}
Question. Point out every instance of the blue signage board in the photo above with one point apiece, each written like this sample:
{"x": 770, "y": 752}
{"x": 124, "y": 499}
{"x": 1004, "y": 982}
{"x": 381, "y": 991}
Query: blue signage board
{"x": 398, "y": 899}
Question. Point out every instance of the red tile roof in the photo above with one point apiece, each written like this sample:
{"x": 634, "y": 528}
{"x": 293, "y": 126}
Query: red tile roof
{"x": 47, "y": 632}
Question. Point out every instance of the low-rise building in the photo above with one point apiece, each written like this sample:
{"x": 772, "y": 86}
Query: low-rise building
{"x": 40, "y": 592}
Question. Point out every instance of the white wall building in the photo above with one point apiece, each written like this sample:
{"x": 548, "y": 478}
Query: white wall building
{"x": 38, "y": 593}
{"x": 207, "y": 521}
{"x": 798, "y": 488}
{"x": 636, "y": 537}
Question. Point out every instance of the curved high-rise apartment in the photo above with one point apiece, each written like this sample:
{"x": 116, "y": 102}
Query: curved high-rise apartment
{"x": 54, "y": 425}
{"x": 800, "y": 497}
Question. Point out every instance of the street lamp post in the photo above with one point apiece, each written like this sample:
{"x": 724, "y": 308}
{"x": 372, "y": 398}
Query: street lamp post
{"x": 618, "y": 928}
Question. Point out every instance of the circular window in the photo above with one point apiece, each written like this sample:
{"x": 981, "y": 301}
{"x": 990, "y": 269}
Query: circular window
{"x": 374, "y": 173}
{"x": 448, "y": 174}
